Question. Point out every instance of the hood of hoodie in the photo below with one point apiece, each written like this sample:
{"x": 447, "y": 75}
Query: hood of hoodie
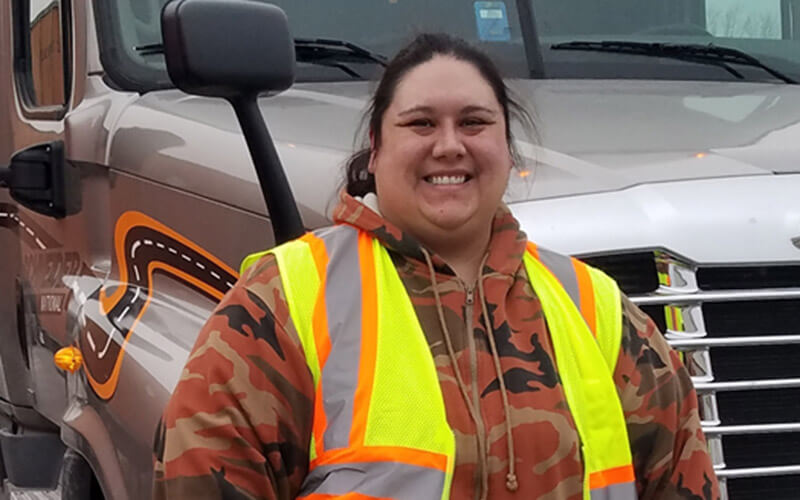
{"x": 506, "y": 245}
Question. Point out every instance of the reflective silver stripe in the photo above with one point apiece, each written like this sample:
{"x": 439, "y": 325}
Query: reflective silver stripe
{"x": 621, "y": 491}
{"x": 343, "y": 301}
{"x": 377, "y": 479}
{"x": 562, "y": 268}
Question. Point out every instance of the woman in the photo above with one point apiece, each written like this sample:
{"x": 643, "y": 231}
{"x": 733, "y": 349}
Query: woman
{"x": 317, "y": 377}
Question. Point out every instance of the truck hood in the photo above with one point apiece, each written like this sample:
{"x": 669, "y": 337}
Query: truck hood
{"x": 592, "y": 136}
{"x": 742, "y": 220}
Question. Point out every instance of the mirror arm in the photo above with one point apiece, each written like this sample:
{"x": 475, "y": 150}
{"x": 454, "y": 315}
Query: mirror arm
{"x": 287, "y": 224}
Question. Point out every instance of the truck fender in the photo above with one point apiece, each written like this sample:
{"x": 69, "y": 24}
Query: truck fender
{"x": 83, "y": 430}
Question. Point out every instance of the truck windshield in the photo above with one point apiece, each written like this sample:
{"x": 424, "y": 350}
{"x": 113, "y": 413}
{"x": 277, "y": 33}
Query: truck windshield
{"x": 519, "y": 35}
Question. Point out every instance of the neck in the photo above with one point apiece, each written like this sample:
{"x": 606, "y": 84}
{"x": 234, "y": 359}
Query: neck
{"x": 463, "y": 254}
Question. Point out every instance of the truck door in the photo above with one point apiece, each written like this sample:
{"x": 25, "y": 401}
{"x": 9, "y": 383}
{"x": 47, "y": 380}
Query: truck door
{"x": 35, "y": 92}
{"x": 45, "y": 258}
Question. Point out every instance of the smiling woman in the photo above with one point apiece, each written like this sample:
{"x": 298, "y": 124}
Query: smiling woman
{"x": 423, "y": 348}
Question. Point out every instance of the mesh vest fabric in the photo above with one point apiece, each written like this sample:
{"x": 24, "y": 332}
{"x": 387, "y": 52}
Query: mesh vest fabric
{"x": 395, "y": 369}
{"x": 585, "y": 370}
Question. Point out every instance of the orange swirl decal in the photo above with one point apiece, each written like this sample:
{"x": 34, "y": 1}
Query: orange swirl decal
{"x": 143, "y": 246}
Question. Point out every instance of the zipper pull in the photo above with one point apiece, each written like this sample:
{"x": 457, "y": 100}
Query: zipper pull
{"x": 470, "y": 296}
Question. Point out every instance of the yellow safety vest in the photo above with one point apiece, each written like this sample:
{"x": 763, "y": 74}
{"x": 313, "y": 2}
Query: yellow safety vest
{"x": 380, "y": 428}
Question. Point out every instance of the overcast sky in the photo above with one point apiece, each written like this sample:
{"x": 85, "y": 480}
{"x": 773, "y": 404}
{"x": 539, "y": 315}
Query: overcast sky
{"x": 38, "y": 5}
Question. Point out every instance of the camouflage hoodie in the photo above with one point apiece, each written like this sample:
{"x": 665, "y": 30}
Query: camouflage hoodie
{"x": 239, "y": 422}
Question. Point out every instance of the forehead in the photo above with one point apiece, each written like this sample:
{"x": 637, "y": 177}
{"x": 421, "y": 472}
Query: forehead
{"x": 444, "y": 82}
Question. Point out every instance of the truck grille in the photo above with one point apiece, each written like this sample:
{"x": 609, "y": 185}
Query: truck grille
{"x": 739, "y": 328}
{"x": 737, "y": 278}
{"x": 635, "y": 272}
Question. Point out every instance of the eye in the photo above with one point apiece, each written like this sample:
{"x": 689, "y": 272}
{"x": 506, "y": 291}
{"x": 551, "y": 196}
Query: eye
{"x": 419, "y": 123}
{"x": 474, "y": 122}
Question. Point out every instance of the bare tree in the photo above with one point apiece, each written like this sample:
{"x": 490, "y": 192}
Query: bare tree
{"x": 730, "y": 22}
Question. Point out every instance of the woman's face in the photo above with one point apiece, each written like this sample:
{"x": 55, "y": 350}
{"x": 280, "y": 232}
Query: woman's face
{"x": 443, "y": 162}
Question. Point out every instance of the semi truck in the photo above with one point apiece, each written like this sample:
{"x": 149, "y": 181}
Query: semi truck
{"x": 667, "y": 153}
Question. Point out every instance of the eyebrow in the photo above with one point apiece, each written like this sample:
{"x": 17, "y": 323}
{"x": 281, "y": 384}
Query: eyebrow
{"x": 415, "y": 109}
{"x": 428, "y": 109}
{"x": 471, "y": 109}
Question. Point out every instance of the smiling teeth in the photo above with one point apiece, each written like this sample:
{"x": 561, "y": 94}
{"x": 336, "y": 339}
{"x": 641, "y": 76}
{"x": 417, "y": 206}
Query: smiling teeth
{"x": 447, "y": 179}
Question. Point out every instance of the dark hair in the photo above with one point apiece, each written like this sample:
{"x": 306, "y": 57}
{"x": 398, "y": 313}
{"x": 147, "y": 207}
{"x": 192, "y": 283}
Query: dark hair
{"x": 423, "y": 48}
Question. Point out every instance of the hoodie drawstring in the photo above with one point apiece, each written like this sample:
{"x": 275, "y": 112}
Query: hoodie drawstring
{"x": 482, "y": 455}
{"x": 511, "y": 478}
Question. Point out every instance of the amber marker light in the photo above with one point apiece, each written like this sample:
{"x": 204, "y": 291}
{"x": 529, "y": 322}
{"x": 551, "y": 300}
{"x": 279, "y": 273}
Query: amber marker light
{"x": 700, "y": 155}
{"x": 524, "y": 173}
{"x": 68, "y": 358}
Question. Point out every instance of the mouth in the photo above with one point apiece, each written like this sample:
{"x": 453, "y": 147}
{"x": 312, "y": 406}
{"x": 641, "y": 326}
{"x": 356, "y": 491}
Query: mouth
{"x": 447, "y": 180}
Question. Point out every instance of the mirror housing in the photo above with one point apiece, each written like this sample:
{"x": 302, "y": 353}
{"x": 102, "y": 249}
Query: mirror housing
{"x": 224, "y": 48}
{"x": 40, "y": 179}
{"x": 238, "y": 49}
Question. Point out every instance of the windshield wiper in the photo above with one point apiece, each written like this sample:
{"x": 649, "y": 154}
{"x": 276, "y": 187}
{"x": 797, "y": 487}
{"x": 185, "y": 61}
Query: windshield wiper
{"x": 322, "y": 51}
{"x": 707, "y": 54}
{"x": 335, "y": 53}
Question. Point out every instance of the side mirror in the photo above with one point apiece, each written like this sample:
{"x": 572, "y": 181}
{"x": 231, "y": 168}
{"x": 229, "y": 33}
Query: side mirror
{"x": 40, "y": 179}
{"x": 225, "y": 48}
{"x": 238, "y": 50}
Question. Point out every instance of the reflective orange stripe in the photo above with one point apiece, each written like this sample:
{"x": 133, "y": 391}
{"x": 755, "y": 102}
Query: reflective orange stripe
{"x": 320, "y": 319}
{"x": 346, "y": 496}
{"x": 319, "y": 325}
{"x": 531, "y": 247}
{"x": 320, "y": 420}
{"x": 369, "y": 339}
{"x": 608, "y": 477}
{"x": 398, "y": 454}
{"x": 586, "y": 291}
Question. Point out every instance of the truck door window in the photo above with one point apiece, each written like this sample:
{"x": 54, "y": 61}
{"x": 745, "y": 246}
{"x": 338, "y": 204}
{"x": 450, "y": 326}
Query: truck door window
{"x": 41, "y": 50}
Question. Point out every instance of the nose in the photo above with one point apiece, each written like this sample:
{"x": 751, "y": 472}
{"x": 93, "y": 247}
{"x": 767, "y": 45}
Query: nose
{"x": 449, "y": 144}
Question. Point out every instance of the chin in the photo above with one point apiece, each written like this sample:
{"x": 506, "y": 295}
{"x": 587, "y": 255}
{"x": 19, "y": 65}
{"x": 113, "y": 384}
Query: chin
{"x": 449, "y": 221}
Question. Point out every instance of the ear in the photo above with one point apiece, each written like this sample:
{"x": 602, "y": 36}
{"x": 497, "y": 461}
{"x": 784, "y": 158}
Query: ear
{"x": 372, "y": 153}
{"x": 371, "y": 166}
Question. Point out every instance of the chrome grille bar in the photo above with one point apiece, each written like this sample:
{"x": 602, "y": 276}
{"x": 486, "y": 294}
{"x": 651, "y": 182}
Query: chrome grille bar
{"x": 723, "y": 430}
{"x": 778, "y": 470}
{"x": 690, "y": 344}
{"x": 747, "y": 385}
{"x": 722, "y": 296}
